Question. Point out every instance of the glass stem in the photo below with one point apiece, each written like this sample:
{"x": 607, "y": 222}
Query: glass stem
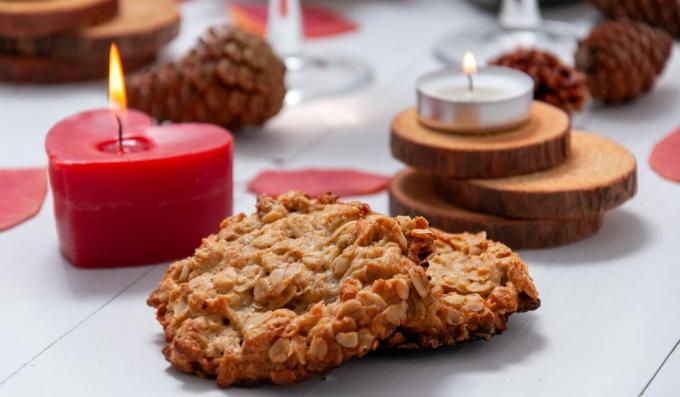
{"x": 520, "y": 15}
{"x": 284, "y": 27}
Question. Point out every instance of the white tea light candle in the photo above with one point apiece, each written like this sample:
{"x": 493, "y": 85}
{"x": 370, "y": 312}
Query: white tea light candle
{"x": 474, "y": 101}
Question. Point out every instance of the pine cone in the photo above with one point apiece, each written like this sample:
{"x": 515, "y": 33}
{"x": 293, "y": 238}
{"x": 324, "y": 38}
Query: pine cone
{"x": 230, "y": 78}
{"x": 621, "y": 59}
{"x": 662, "y": 13}
{"x": 554, "y": 82}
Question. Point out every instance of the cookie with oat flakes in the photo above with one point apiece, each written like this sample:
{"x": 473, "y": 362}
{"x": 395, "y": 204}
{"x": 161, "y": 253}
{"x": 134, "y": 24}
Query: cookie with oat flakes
{"x": 302, "y": 285}
{"x": 474, "y": 286}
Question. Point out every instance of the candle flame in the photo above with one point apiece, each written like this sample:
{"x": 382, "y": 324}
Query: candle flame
{"x": 469, "y": 63}
{"x": 117, "y": 96}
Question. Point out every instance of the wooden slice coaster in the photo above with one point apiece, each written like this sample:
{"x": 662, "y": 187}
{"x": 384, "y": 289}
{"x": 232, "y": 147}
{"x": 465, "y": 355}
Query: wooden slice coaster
{"x": 598, "y": 175}
{"x": 50, "y": 71}
{"x": 141, "y": 28}
{"x": 41, "y": 17}
{"x": 413, "y": 193}
{"x": 541, "y": 143}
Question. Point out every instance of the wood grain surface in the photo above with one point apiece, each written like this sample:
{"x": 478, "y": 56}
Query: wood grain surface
{"x": 34, "y": 70}
{"x": 541, "y": 143}
{"x": 40, "y": 17}
{"x": 413, "y": 193}
{"x": 598, "y": 175}
{"x": 140, "y": 28}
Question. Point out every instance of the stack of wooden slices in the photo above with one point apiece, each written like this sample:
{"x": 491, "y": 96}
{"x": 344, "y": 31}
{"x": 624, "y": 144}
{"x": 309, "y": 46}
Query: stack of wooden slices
{"x": 535, "y": 186}
{"x": 52, "y": 41}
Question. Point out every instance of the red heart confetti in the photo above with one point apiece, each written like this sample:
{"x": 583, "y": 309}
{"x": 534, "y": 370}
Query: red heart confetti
{"x": 318, "y": 21}
{"x": 315, "y": 182}
{"x": 665, "y": 158}
{"x": 22, "y": 192}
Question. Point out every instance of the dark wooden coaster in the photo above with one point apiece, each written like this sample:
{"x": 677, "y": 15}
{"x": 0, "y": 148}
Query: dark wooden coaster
{"x": 41, "y": 17}
{"x": 50, "y": 71}
{"x": 140, "y": 28}
{"x": 413, "y": 193}
{"x": 541, "y": 143}
{"x": 598, "y": 175}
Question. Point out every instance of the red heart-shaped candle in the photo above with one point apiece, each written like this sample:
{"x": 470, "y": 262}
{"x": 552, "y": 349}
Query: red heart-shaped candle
{"x": 152, "y": 199}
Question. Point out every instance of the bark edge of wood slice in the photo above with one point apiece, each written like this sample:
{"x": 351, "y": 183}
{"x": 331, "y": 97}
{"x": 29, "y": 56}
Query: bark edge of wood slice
{"x": 598, "y": 175}
{"x": 541, "y": 143}
{"x": 33, "y": 70}
{"x": 41, "y": 17}
{"x": 413, "y": 193}
{"x": 141, "y": 27}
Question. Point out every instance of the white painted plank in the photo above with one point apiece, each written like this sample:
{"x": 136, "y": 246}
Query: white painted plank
{"x": 245, "y": 168}
{"x": 666, "y": 382}
{"x": 43, "y": 296}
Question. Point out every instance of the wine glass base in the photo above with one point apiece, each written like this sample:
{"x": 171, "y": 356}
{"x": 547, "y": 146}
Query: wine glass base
{"x": 491, "y": 41}
{"x": 313, "y": 76}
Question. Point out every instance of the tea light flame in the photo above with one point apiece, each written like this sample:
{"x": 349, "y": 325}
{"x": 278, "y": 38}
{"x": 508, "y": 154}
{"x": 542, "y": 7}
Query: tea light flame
{"x": 469, "y": 63}
{"x": 117, "y": 96}
{"x": 469, "y": 68}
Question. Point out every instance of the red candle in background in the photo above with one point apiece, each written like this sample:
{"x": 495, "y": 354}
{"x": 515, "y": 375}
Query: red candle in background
{"x": 147, "y": 198}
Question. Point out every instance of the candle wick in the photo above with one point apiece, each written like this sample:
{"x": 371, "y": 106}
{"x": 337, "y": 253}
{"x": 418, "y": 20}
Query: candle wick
{"x": 120, "y": 134}
{"x": 471, "y": 86}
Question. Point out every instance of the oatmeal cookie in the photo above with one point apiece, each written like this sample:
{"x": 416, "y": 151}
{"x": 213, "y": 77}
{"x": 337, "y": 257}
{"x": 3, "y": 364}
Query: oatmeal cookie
{"x": 474, "y": 286}
{"x": 302, "y": 285}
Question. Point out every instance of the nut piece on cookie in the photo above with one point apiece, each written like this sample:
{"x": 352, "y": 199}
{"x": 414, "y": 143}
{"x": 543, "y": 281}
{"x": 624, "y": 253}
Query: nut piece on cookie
{"x": 302, "y": 285}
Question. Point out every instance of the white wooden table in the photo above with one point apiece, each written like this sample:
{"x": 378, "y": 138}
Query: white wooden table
{"x": 610, "y": 318}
